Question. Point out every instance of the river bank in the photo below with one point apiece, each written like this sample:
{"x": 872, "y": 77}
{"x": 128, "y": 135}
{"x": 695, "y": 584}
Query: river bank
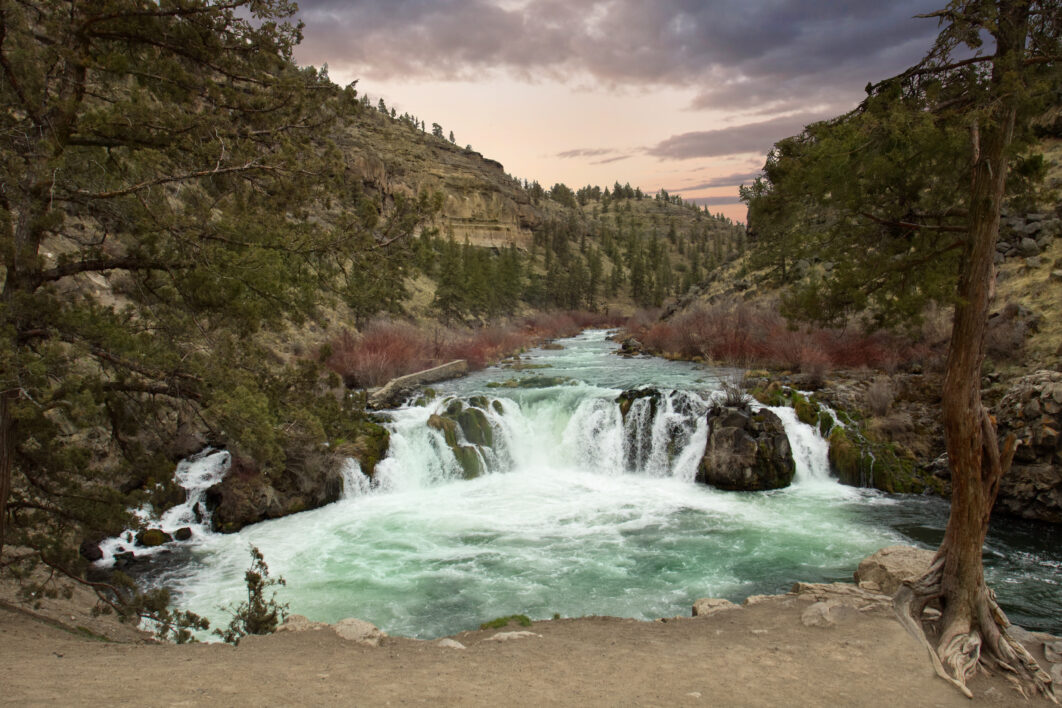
{"x": 771, "y": 651}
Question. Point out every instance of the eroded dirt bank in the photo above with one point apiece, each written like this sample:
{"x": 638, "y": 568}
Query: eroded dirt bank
{"x": 762, "y": 654}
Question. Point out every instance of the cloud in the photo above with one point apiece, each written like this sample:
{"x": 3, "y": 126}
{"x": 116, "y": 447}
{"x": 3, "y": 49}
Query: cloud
{"x": 724, "y": 181}
{"x": 733, "y": 53}
{"x": 586, "y": 152}
{"x": 738, "y": 139}
{"x": 610, "y": 160}
{"x": 714, "y": 201}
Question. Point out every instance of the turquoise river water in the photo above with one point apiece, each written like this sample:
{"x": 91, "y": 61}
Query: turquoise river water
{"x": 580, "y": 513}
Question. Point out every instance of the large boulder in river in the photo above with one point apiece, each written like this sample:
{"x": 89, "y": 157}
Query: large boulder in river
{"x": 248, "y": 494}
{"x": 747, "y": 450}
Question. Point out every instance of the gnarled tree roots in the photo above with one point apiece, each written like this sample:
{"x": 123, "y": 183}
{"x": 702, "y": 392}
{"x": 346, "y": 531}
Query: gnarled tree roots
{"x": 967, "y": 639}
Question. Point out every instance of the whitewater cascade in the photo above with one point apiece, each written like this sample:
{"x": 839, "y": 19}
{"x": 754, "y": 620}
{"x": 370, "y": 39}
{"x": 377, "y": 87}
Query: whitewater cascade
{"x": 581, "y": 426}
{"x": 522, "y": 491}
{"x": 196, "y": 475}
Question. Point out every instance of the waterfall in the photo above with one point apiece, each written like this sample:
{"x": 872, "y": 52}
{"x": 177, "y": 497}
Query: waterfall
{"x": 577, "y": 510}
{"x": 810, "y": 449}
{"x": 663, "y": 435}
{"x": 196, "y": 475}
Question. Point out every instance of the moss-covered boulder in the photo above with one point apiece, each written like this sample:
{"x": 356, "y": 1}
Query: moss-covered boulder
{"x": 627, "y": 398}
{"x": 149, "y": 538}
{"x": 446, "y": 426}
{"x": 370, "y": 445}
{"x": 847, "y": 461}
{"x": 476, "y": 427}
{"x": 858, "y": 462}
{"x": 773, "y": 394}
{"x": 746, "y": 451}
{"x": 467, "y": 455}
{"x": 807, "y": 411}
{"x": 825, "y": 423}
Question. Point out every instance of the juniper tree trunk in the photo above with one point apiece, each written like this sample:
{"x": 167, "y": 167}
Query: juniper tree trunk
{"x": 7, "y": 445}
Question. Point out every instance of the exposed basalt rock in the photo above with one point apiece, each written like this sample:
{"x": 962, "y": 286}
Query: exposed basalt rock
{"x": 149, "y": 538}
{"x": 627, "y": 399}
{"x": 630, "y": 347}
{"x": 1032, "y": 410}
{"x": 746, "y": 451}
{"x": 369, "y": 446}
{"x": 531, "y": 382}
{"x": 467, "y": 455}
{"x": 248, "y": 494}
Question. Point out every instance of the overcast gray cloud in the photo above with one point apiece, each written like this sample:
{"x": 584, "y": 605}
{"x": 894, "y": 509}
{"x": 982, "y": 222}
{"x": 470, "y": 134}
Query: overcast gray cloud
{"x": 750, "y": 137}
{"x": 715, "y": 201}
{"x": 724, "y": 181}
{"x": 586, "y": 152}
{"x": 735, "y": 53}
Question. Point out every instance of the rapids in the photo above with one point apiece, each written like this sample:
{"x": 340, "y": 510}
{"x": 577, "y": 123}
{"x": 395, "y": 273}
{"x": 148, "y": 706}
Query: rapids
{"x": 580, "y": 512}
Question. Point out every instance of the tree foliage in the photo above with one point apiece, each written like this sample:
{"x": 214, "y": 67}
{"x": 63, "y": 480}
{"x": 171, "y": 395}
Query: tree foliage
{"x": 901, "y": 199}
{"x": 171, "y": 191}
{"x": 258, "y": 614}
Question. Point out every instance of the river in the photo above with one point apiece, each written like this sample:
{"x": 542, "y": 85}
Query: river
{"x": 580, "y": 515}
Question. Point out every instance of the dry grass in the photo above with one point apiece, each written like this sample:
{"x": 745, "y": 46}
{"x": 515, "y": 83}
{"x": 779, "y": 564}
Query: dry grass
{"x": 1034, "y": 289}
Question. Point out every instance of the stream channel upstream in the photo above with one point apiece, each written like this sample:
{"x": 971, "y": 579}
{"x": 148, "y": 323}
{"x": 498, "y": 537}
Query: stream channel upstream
{"x": 579, "y": 512}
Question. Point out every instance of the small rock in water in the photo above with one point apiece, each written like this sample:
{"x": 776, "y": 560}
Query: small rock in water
{"x": 450, "y": 644}
{"x": 149, "y": 538}
{"x": 182, "y": 534}
{"x": 506, "y": 636}
{"x": 359, "y": 631}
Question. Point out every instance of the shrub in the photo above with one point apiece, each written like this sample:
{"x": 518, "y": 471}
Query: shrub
{"x": 499, "y": 622}
{"x": 879, "y": 396}
{"x": 259, "y": 614}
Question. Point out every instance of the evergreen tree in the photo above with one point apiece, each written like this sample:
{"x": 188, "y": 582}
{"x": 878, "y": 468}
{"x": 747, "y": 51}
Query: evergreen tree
{"x": 176, "y": 148}
{"x": 903, "y": 195}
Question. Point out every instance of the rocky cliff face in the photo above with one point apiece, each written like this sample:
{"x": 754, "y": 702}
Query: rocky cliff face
{"x": 481, "y": 202}
{"x": 1032, "y": 410}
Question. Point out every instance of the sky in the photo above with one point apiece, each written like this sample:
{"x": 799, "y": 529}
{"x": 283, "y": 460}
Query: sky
{"x": 682, "y": 95}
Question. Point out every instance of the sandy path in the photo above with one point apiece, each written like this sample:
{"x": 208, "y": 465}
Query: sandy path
{"x": 759, "y": 655}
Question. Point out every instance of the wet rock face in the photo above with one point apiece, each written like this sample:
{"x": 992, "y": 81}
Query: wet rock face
{"x": 248, "y": 495}
{"x": 1032, "y": 411}
{"x": 475, "y": 429}
{"x": 746, "y": 451}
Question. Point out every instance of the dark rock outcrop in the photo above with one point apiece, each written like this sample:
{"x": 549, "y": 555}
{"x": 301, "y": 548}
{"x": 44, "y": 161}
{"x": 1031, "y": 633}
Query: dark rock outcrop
{"x": 475, "y": 433}
{"x": 248, "y": 494}
{"x": 1032, "y": 410}
{"x": 628, "y": 397}
{"x": 746, "y": 451}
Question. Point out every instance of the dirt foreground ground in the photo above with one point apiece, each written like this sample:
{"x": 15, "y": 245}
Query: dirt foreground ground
{"x": 821, "y": 647}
